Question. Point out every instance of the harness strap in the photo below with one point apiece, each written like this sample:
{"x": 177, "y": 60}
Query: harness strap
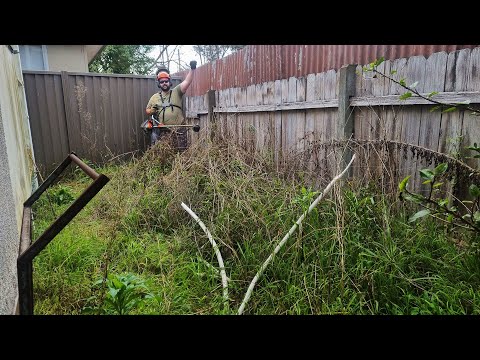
{"x": 169, "y": 104}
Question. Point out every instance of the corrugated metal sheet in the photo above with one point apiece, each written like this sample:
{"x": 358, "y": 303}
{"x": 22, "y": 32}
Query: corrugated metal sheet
{"x": 98, "y": 116}
{"x": 47, "y": 117}
{"x": 256, "y": 64}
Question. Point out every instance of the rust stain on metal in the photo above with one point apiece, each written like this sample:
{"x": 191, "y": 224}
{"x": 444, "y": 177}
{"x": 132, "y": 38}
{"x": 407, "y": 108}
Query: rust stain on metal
{"x": 256, "y": 64}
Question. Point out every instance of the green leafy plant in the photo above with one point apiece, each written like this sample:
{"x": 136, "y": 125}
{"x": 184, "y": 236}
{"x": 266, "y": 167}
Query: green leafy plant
{"x": 125, "y": 293}
{"x": 305, "y": 198}
{"x": 468, "y": 216}
{"x": 435, "y": 205}
{"x": 62, "y": 196}
{"x": 476, "y": 149}
{"x": 411, "y": 91}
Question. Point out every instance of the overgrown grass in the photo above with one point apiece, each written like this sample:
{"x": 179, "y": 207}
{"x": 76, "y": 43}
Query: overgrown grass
{"x": 356, "y": 253}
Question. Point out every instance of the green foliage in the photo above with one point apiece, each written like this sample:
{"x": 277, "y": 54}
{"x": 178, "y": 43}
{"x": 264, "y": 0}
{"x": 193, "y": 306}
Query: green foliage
{"x": 406, "y": 95}
{"x": 123, "y": 59}
{"x": 124, "y": 293}
{"x": 476, "y": 149}
{"x": 445, "y": 107}
{"x": 403, "y": 183}
{"x": 419, "y": 215}
{"x": 356, "y": 253}
{"x": 306, "y": 197}
{"x": 62, "y": 196}
{"x": 450, "y": 109}
{"x": 435, "y": 204}
{"x": 63, "y": 270}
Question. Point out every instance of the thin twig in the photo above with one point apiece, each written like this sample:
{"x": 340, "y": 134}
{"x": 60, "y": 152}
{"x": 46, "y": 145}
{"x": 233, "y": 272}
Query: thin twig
{"x": 416, "y": 92}
{"x": 285, "y": 238}
{"x": 435, "y": 205}
{"x": 210, "y": 266}
{"x": 217, "y": 252}
{"x": 127, "y": 153}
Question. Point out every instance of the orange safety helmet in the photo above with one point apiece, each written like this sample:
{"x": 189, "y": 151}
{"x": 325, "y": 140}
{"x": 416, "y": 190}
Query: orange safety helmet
{"x": 163, "y": 74}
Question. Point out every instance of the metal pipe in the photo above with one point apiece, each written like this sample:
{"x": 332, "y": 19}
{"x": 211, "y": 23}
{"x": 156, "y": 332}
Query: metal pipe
{"x": 64, "y": 219}
{"x": 49, "y": 181}
{"x": 87, "y": 169}
{"x": 25, "y": 235}
{"x": 29, "y": 250}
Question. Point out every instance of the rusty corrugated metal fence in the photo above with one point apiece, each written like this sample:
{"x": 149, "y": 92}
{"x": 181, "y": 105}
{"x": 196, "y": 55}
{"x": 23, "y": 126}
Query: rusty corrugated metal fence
{"x": 98, "y": 116}
{"x": 256, "y": 64}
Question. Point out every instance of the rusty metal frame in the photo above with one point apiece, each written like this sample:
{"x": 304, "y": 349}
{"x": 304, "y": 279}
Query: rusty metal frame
{"x": 29, "y": 250}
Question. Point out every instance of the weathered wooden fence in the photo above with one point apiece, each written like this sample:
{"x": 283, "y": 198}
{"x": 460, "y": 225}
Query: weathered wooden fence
{"x": 97, "y": 116}
{"x": 289, "y": 116}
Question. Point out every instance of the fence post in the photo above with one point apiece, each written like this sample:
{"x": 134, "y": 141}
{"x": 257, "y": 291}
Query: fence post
{"x": 345, "y": 126}
{"x": 211, "y": 103}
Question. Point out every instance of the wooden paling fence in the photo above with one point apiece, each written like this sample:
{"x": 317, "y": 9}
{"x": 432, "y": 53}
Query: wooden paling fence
{"x": 306, "y": 118}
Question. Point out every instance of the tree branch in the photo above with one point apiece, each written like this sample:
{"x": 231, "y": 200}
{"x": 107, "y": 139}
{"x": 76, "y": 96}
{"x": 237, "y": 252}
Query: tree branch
{"x": 444, "y": 208}
{"x": 475, "y": 111}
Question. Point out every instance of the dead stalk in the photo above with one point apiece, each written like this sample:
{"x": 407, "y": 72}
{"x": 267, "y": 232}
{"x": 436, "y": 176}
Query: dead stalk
{"x": 217, "y": 252}
{"x": 285, "y": 238}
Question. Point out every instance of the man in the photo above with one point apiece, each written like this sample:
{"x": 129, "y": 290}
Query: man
{"x": 166, "y": 107}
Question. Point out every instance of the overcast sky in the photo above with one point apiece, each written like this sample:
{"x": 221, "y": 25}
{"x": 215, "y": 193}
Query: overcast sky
{"x": 186, "y": 55}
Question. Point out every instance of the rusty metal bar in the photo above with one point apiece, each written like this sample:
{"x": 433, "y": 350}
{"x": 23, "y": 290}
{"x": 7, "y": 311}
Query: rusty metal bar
{"x": 29, "y": 250}
{"x": 25, "y": 236}
{"x": 25, "y": 287}
{"x": 87, "y": 169}
{"x": 25, "y": 284}
{"x": 49, "y": 181}
{"x": 64, "y": 219}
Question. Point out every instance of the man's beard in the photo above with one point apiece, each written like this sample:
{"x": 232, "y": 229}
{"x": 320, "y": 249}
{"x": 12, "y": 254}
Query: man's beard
{"x": 166, "y": 88}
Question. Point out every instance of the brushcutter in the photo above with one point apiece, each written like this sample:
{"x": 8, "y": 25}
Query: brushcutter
{"x": 154, "y": 123}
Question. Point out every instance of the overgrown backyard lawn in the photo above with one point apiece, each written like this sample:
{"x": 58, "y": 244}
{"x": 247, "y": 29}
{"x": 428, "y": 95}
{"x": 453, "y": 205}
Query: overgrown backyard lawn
{"x": 134, "y": 250}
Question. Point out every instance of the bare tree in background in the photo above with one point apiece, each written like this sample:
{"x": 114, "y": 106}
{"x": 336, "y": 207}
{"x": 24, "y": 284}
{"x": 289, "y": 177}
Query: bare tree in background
{"x": 208, "y": 53}
{"x": 168, "y": 55}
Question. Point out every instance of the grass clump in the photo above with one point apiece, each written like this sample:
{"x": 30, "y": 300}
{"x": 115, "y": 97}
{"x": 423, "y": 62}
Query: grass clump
{"x": 134, "y": 250}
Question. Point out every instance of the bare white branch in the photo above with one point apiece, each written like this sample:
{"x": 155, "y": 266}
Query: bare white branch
{"x": 287, "y": 236}
{"x": 217, "y": 252}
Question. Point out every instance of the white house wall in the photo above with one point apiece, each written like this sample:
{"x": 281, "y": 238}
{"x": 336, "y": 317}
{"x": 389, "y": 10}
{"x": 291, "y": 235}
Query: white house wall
{"x": 67, "y": 58}
{"x": 16, "y": 172}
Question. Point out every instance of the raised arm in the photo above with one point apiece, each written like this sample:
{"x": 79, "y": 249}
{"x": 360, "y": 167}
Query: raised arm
{"x": 188, "y": 79}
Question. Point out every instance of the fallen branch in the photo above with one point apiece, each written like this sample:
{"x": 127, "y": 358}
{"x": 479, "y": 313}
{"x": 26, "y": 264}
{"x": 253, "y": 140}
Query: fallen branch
{"x": 285, "y": 238}
{"x": 217, "y": 252}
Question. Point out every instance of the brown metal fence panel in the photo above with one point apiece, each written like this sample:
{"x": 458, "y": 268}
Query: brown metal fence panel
{"x": 47, "y": 118}
{"x": 105, "y": 113}
{"x": 97, "y": 116}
